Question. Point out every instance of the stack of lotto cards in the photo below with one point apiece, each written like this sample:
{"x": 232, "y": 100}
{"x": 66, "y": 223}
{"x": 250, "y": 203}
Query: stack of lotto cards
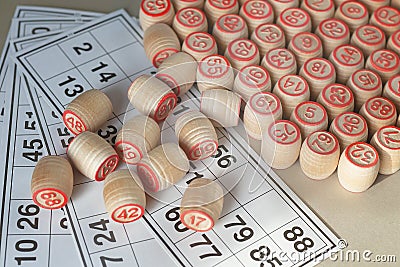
{"x": 53, "y": 55}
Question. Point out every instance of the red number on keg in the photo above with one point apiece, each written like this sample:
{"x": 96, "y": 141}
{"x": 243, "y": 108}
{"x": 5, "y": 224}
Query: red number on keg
{"x": 360, "y": 152}
{"x": 317, "y": 3}
{"x": 389, "y": 140}
{"x": 243, "y": 48}
{"x": 351, "y": 123}
{"x": 161, "y": 57}
{"x": 321, "y": 139}
{"x": 337, "y": 94}
{"x": 385, "y": 59}
{"x": 191, "y": 17}
{"x": 231, "y": 23}
{"x": 289, "y": 83}
{"x": 295, "y": 16}
{"x": 264, "y": 104}
{"x": 278, "y": 58}
{"x": 197, "y": 218}
{"x": 285, "y": 134}
{"x": 333, "y": 28}
{"x": 366, "y": 79}
{"x": 200, "y": 41}
{"x": 75, "y": 124}
{"x": 383, "y": 109}
{"x": 310, "y": 112}
{"x": 155, "y": 5}
{"x": 307, "y": 42}
{"x": 347, "y": 56}
{"x": 371, "y": 34}
{"x": 353, "y": 10}
{"x": 318, "y": 67}
{"x": 270, "y": 33}
{"x": 212, "y": 62}
{"x": 254, "y": 75}
{"x": 108, "y": 167}
{"x": 50, "y": 199}
{"x": 257, "y": 8}
{"x": 128, "y": 153}
{"x": 389, "y": 16}
{"x": 131, "y": 213}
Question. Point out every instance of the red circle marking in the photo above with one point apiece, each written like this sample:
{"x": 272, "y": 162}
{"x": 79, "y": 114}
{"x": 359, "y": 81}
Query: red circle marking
{"x": 330, "y": 6}
{"x": 339, "y": 124}
{"x": 160, "y": 56}
{"x": 195, "y": 12}
{"x": 340, "y": 50}
{"x": 61, "y": 196}
{"x": 276, "y": 105}
{"x": 383, "y": 102}
{"x": 234, "y": 47}
{"x": 394, "y": 81}
{"x": 275, "y": 33}
{"x": 170, "y": 81}
{"x": 207, "y": 218}
{"x": 164, "y": 106}
{"x": 111, "y": 160}
{"x": 395, "y": 37}
{"x": 69, "y": 115}
{"x": 221, "y": 5}
{"x": 316, "y": 42}
{"x": 148, "y": 177}
{"x": 126, "y": 211}
{"x": 327, "y": 93}
{"x": 316, "y": 105}
{"x": 339, "y": 25}
{"x": 163, "y": 11}
{"x": 376, "y": 83}
{"x": 204, "y": 66}
{"x": 199, "y": 151}
{"x": 377, "y": 61}
{"x": 322, "y": 150}
{"x": 247, "y": 9}
{"x": 278, "y": 53}
{"x": 345, "y": 6}
{"x": 392, "y": 137}
{"x": 323, "y": 62}
{"x": 220, "y": 24}
{"x": 128, "y": 152}
{"x": 292, "y": 10}
{"x": 298, "y": 80}
{"x": 358, "y": 148}
{"x": 283, "y": 127}
{"x": 384, "y": 11}
{"x": 206, "y": 38}
{"x": 257, "y": 83}
{"x": 361, "y": 34}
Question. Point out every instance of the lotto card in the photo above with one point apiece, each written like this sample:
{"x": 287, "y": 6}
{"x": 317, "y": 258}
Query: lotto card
{"x": 30, "y": 236}
{"x": 262, "y": 223}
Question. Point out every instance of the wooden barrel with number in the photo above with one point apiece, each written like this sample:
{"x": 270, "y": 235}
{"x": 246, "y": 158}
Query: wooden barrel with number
{"x": 346, "y": 59}
{"x": 255, "y": 13}
{"x": 353, "y": 13}
{"x": 87, "y": 112}
{"x": 200, "y": 45}
{"x": 281, "y": 144}
{"x": 136, "y": 137}
{"x": 319, "y": 155}
{"x": 214, "y": 72}
{"x": 124, "y": 196}
{"x": 267, "y": 37}
{"x": 251, "y": 80}
{"x": 294, "y": 21}
{"x": 368, "y": 38}
{"x": 333, "y": 33}
{"x": 52, "y": 182}
{"x": 228, "y": 28}
{"x": 279, "y": 62}
{"x": 387, "y": 18}
{"x": 384, "y": 62}
{"x": 189, "y": 20}
{"x": 242, "y": 53}
{"x": 196, "y": 135}
{"x": 92, "y": 156}
{"x": 163, "y": 167}
{"x": 387, "y": 142}
{"x": 318, "y": 10}
{"x": 152, "y": 97}
{"x": 358, "y": 167}
{"x": 349, "y": 127}
{"x": 201, "y": 204}
{"x": 152, "y": 12}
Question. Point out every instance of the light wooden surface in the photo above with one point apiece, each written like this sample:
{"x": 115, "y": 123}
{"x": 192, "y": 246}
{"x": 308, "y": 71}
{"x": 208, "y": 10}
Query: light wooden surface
{"x": 191, "y": 46}
{"x": 351, "y": 216}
